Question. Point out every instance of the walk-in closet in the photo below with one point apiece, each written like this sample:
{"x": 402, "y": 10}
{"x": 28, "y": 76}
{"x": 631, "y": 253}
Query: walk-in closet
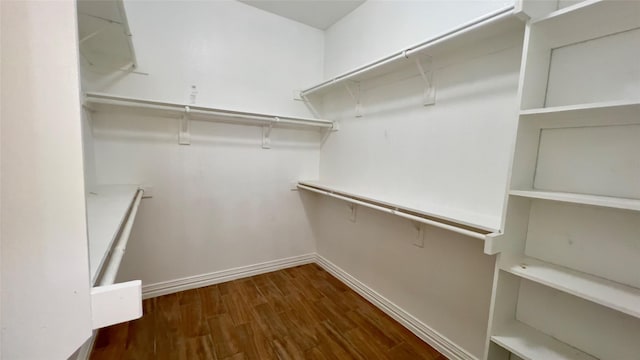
{"x": 306, "y": 179}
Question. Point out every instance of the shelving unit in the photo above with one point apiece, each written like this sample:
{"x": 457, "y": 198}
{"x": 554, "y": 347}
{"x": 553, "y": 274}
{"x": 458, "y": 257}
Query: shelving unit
{"x": 111, "y": 211}
{"x": 396, "y": 208}
{"x": 498, "y": 22}
{"x": 566, "y": 284}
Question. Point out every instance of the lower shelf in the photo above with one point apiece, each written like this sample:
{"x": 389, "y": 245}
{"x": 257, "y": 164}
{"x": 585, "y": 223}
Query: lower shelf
{"x": 601, "y": 291}
{"x": 531, "y": 344}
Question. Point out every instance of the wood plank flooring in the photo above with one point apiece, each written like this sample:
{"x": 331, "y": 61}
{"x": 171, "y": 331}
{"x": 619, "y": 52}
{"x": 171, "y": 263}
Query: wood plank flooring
{"x": 296, "y": 313}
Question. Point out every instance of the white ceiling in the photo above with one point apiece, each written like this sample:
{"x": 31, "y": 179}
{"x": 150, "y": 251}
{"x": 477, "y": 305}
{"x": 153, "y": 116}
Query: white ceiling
{"x": 317, "y": 13}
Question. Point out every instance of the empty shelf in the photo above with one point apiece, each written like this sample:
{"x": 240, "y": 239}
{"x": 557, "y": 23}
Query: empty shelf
{"x": 438, "y": 220}
{"x": 594, "y": 200}
{"x": 531, "y": 344}
{"x": 631, "y": 105}
{"x": 605, "y": 292}
{"x": 107, "y": 209}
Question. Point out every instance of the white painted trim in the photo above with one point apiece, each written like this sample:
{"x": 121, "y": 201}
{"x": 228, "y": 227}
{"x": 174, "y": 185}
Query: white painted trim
{"x": 439, "y": 342}
{"x": 194, "y": 282}
{"x": 84, "y": 352}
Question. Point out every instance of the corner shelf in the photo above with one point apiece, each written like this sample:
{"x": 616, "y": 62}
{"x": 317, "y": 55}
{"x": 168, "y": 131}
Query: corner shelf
{"x": 107, "y": 209}
{"x": 583, "y": 199}
{"x": 623, "y": 298}
{"x": 531, "y": 344}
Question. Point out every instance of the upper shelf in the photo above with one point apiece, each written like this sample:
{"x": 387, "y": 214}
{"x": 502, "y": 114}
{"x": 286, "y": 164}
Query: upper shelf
{"x": 104, "y": 35}
{"x": 97, "y": 101}
{"x": 107, "y": 209}
{"x": 584, "y": 199}
{"x": 485, "y": 27}
{"x": 451, "y": 222}
{"x": 587, "y": 20}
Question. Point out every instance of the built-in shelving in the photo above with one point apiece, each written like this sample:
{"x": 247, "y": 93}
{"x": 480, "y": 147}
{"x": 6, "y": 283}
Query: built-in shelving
{"x": 583, "y": 199}
{"x": 531, "y": 344}
{"x": 107, "y": 210}
{"x": 605, "y": 292}
{"x": 499, "y": 22}
{"x": 397, "y": 208}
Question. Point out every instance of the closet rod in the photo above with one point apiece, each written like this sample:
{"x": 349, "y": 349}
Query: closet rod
{"x": 405, "y": 54}
{"x": 398, "y": 212}
{"x": 106, "y": 99}
{"x": 111, "y": 269}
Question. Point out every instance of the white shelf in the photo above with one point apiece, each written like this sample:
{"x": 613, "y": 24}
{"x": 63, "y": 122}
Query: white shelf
{"x": 107, "y": 209}
{"x": 594, "y": 200}
{"x": 531, "y": 344}
{"x": 104, "y": 35}
{"x": 500, "y": 22}
{"x": 576, "y": 110}
{"x": 587, "y": 20}
{"x": 108, "y": 102}
{"x": 605, "y": 292}
{"x": 439, "y": 219}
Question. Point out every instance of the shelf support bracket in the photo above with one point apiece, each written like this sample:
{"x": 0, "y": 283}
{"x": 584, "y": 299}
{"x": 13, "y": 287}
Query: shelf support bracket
{"x": 429, "y": 95}
{"x": 353, "y": 88}
{"x": 266, "y": 133}
{"x": 353, "y": 212}
{"x": 184, "y": 137}
{"x": 419, "y": 239}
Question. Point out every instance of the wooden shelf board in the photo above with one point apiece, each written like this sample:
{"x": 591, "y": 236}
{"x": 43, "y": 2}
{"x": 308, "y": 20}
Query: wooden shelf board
{"x": 594, "y": 200}
{"x": 107, "y": 208}
{"x": 623, "y": 298}
{"x": 446, "y": 215}
{"x": 531, "y": 344}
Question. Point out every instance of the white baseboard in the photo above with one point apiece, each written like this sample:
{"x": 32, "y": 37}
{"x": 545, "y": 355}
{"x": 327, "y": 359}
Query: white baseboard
{"x": 439, "y": 342}
{"x": 193, "y": 282}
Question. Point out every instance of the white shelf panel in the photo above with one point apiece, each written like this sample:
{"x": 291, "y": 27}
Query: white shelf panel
{"x": 594, "y": 200}
{"x": 607, "y": 293}
{"x": 460, "y": 219}
{"x": 491, "y": 25}
{"x": 587, "y": 20}
{"x": 531, "y": 344}
{"x": 107, "y": 209}
{"x": 576, "y": 110}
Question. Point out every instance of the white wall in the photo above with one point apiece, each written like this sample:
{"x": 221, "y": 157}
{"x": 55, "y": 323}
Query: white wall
{"x": 453, "y": 157}
{"x": 45, "y": 272}
{"x": 378, "y": 28}
{"x": 223, "y": 201}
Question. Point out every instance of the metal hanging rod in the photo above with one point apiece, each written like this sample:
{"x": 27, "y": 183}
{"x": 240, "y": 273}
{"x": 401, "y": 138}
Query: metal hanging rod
{"x": 214, "y": 113}
{"x": 474, "y": 233}
{"x": 491, "y": 18}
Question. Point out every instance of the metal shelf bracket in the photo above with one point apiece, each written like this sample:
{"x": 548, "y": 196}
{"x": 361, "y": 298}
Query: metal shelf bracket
{"x": 419, "y": 239}
{"x": 266, "y": 133}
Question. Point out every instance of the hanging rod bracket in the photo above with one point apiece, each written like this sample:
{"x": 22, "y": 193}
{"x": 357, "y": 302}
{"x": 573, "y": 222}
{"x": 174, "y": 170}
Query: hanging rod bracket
{"x": 425, "y": 68}
{"x": 266, "y": 133}
{"x": 184, "y": 136}
{"x": 353, "y": 212}
{"x": 353, "y": 88}
{"x": 418, "y": 241}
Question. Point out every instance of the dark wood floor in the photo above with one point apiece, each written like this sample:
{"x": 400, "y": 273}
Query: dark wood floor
{"x": 297, "y": 313}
